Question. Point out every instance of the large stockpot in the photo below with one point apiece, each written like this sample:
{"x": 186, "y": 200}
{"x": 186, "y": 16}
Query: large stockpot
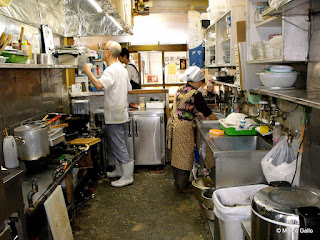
{"x": 276, "y": 213}
{"x": 33, "y": 141}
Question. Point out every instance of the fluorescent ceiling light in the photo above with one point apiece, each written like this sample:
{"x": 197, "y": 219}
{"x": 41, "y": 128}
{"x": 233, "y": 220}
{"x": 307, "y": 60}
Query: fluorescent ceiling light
{"x": 95, "y": 5}
{"x": 115, "y": 22}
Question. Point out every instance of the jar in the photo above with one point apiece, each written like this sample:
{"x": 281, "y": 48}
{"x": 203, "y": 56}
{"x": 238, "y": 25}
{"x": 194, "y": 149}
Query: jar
{"x": 142, "y": 102}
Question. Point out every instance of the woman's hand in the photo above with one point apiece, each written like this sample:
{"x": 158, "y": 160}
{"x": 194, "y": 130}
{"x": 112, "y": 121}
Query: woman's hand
{"x": 213, "y": 117}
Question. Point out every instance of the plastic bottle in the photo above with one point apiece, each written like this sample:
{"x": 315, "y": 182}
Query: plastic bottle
{"x": 210, "y": 89}
{"x": 277, "y": 132}
{"x": 10, "y": 153}
{"x": 25, "y": 48}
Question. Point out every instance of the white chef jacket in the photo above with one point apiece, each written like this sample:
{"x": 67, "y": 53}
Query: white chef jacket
{"x": 116, "y": 86}
{"x": 132, "y": 72}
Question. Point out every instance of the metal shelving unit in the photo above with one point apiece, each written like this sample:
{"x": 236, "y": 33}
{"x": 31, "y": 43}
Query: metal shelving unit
{"x": 35, "y": 66}
{"x": 310, "y": 98}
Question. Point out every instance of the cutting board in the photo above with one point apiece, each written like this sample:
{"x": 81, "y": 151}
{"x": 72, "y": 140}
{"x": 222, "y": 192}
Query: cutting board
{"x": 84, "y": 141}
{"x": 57, "y": 215}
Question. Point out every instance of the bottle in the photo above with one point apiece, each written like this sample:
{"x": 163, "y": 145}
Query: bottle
{"x": 277, "y": 132}
{"x": 25, "y": 48}
{"x": 242, "y": 124}
{"x": 210, "y": 89}
{"x": 100, "y": 52}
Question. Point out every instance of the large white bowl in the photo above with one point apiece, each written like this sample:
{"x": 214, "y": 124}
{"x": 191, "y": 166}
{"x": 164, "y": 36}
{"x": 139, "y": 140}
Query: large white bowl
{"x": 278, "y": 80}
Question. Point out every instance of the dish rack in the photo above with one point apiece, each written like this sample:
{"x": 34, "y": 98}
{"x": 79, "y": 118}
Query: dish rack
{"x": 235, "y": 131}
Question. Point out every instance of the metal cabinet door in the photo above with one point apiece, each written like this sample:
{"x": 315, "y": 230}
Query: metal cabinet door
{"x": 147, "y": 140}
{"x": 129, "y": 138}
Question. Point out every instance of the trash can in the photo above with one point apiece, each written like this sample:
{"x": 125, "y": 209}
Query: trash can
{"x": 231, "y": 206}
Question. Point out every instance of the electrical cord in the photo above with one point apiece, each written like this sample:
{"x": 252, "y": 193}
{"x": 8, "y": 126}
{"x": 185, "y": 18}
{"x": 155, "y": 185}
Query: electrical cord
{"x": 285, "y": 111}
{"x": 303, "y": 134}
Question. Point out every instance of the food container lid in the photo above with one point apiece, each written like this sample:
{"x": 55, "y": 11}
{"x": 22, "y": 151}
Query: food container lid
{"x": 279, "y": 203}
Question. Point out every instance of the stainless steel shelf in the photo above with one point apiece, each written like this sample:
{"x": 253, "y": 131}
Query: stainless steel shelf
{"x": 225, "y": 84}
{"x": 220, "y": 65}
{"x": 310, "y": 98}
{"x": 35, "y": 66}
{"x": 270, "y": 11}
{"x": 270, "y": 22}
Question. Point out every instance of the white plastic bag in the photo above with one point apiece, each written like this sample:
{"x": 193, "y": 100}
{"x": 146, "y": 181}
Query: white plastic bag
{"x": 275, "y": 3}
{"x": 280, "y": 163}
{"x": 234, "y": 204}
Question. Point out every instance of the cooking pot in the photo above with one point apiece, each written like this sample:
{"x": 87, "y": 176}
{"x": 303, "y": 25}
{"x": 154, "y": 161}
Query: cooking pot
{"x": 32, "y": 141}
{"x": 282, "y": 213}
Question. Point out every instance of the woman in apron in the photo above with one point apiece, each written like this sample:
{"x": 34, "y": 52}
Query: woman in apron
{"x": 188, "y": 103}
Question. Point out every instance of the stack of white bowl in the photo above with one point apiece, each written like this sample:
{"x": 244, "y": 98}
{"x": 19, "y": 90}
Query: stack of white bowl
{"x": 278, "y": 76}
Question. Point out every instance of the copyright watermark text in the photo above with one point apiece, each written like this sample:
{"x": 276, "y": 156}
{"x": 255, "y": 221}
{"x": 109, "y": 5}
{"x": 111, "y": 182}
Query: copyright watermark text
{"x": 294, "y": 230}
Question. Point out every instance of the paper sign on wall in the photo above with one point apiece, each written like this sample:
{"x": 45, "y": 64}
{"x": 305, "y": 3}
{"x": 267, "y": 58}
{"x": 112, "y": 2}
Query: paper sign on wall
{"x": 172, "y": 68}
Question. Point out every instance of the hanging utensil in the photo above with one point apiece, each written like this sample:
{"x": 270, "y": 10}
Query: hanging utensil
{"x": 5, "y": 43}
{"x": 21, "y": 35}
{"x": 3, "y": 38}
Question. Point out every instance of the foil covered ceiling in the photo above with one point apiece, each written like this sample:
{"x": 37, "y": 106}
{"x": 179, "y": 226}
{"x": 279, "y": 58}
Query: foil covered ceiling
{"x": 70, "y": 18}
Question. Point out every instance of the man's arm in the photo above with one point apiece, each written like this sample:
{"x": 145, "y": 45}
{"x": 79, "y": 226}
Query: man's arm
{"x": 87, "y": 71}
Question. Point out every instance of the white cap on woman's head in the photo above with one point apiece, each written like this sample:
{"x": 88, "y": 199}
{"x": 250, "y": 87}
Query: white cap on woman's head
{"x": 192, "y": 74}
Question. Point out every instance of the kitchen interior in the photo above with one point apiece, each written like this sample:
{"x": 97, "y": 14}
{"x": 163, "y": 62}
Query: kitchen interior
{"x": 256, "y": 170}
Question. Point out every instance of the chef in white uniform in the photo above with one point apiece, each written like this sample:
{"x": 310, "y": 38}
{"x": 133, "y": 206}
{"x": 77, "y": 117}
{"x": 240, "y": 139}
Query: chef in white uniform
{"x": 116, "y": 85}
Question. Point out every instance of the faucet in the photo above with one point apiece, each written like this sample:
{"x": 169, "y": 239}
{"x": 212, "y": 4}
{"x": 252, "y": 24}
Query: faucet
{"x": 260, "y": 109}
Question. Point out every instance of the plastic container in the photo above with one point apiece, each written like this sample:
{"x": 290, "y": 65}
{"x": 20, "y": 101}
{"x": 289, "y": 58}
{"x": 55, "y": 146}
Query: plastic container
{"x": 216, "y": 132}
{"x": 281, "y": 68}
{"x": 142, "y": 102}
{"x": 15, "y": 58}
{"x": 3, "y": 59}
{"x": 10, "y": 152}
{"x": 25, "y": 48}
{"x": 231, "y": 206}
{"x": 277, "y": 132}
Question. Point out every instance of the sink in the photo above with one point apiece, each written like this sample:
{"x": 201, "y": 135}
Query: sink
{"x": 243, "y": 143}
{"x": 238, "y": 160}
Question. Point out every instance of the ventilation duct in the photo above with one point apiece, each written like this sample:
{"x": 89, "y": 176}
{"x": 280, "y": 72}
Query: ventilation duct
{"x": 70, "y": 18}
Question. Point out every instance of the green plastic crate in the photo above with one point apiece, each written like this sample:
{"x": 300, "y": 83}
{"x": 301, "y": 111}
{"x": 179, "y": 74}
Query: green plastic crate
{"x": 15, "y": 58}
{"x": 231, "y": 131}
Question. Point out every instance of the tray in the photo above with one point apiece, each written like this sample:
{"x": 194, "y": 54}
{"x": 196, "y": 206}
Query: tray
{"x": 232, "y": 131}
{"x": 15, "y": 58}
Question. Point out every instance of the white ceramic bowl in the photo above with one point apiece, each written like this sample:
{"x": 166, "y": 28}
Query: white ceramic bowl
{"x": 281, "y": 68}
{"x": 278, "y": 80}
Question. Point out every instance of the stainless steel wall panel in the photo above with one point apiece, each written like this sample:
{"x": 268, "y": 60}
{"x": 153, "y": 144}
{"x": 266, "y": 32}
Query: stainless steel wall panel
{"x": 29, "y": 93}
{"x": 310, "y": 165}
{"x": 32, "y": 34}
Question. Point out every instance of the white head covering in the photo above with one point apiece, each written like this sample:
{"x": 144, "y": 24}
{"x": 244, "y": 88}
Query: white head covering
{"x": 193, "y": 74}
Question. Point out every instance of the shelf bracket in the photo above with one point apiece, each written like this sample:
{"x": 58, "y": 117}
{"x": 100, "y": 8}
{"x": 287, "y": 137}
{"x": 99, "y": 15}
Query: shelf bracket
{"x": 306, "y": 30}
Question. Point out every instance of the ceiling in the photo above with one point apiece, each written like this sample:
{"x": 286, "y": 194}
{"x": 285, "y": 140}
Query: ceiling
{"x": 144, "y": 7}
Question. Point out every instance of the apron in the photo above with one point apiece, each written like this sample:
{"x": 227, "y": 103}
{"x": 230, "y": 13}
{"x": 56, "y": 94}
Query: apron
{"x": 180, "y": 137}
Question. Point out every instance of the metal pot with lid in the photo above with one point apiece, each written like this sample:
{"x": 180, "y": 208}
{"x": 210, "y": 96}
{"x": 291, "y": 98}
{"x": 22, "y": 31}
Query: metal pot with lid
{"x": 33, "y": 141}
{"x": 284, "y": 213}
